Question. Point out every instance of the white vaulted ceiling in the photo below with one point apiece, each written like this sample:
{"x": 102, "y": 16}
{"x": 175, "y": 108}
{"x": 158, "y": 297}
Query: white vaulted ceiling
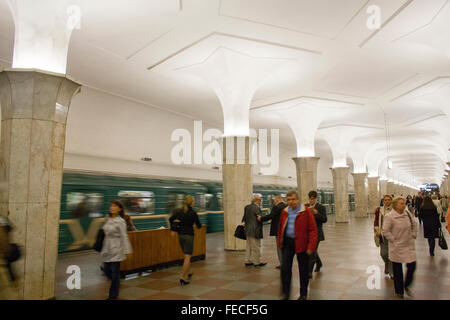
{"x": 398, "y": 75}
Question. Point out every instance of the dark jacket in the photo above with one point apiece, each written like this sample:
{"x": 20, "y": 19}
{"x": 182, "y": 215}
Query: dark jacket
{"x": 305, "y": 230}
{"x": 187, "y": 220}
{"x": 431, "y": 223}
{"x": 418, "y": 203}
{"x": 253, "y": 227}
{"x": 321, "y": 217}
{"x": 275, "y": 217}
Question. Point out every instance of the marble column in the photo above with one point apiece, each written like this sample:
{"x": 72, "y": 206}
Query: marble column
{"x": 340, "y": 185}
{"x": 359, "y": 180}
{"x": 34, "y": 107}
{"x": 390, "y": 188}
{"x": 306, "y": 176}
{"x": 383, "y": 188}
{"x": 237, "y": 190}
{"x": 374, "y": 194}
{"x": 448, "y": 181}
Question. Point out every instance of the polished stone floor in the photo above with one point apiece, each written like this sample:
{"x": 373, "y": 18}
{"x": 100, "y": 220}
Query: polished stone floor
{"x": 346, "y": 253}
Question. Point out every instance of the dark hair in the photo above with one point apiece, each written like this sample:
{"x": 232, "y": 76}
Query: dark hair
{"x": 292, "y": 193}
{"x": 427, "y": 203}
{"x": 312, "y": 194}
{"x": 120, "y": 205}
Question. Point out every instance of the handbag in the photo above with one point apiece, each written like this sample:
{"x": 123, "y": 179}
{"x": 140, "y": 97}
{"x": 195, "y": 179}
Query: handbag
{"x": 240, "y": 232}
{"x": 442, "y": 242}
{"x": 176, "y": 224}
{"x": 98, "y": 245}
{"x": 377, "y": 240}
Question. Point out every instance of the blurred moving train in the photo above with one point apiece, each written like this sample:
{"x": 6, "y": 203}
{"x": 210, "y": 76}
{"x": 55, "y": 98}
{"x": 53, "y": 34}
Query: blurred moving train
{"x": 85, "y": 202}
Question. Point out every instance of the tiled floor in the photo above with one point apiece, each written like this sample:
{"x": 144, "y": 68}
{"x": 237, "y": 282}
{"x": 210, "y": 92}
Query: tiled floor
{"x": 346, "y": 253}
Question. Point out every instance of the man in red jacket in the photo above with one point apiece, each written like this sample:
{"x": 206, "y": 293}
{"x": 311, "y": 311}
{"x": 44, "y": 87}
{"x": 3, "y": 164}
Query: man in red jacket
{"x": 297, "y": 234}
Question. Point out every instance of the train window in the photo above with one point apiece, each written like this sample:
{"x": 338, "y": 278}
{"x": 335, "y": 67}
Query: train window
{"x": 209, "y": 203}
{"x": 137, "y": 202}
{"x": 200, "y": 201}
{"x": 220, "y": 200}
{"x": 85, "y": 204}
{"x": 175, "y": 200}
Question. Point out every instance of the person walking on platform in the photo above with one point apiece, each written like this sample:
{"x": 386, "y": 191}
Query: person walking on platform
{"x": 400, "y": 229}
{"x": 182, "y": 221}
{"x": 297, "y": 235}
{"x": 253, "y": 232}
{"x": 417, "y": 205}
{"x": 431, "y": 224}
{"x": 380, "y": 214}
{"x": 274, "y": 215}
{"x": 116, "y": 246}
{"x": 320, "y": 215}
{"x": 447, "y": 220}
{"x": 444, "y": 205}
{"x": 437, "y": 204}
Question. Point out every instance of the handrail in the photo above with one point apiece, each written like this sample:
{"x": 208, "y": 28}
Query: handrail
{"x": 157, "y": 216}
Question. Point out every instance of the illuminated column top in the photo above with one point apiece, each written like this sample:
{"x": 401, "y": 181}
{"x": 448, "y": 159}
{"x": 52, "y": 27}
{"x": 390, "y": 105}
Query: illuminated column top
{"x": 304, "y": 116}
{"x": 234, "y": 77}
{"x": 340, "y": 138}
{"x": 42, "y": 33}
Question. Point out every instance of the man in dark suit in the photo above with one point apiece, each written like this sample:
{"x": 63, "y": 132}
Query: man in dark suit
{"x": 320, "y": 215}
{"x": 274, "y": 215}
{"x": 253, "y": 233}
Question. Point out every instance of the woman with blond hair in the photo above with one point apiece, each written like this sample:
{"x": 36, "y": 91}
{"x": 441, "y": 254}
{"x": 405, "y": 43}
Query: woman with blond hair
{"x": 182, "y": 221}
{"x": 400, "y": 229}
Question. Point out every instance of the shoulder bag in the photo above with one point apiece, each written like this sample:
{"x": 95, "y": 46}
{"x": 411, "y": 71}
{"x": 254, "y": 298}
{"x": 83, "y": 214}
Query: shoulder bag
{"x": 98, "y": 245}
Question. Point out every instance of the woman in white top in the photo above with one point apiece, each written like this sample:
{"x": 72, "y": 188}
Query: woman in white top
{"x": 437, "y": 204}
{"x": 400, "y": 229}
{"x": 115, "y": 246}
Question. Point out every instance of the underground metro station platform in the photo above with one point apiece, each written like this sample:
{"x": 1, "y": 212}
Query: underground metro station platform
{"x": 141, "y": 141}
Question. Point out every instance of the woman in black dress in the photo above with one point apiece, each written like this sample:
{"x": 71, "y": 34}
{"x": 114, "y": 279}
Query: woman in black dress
{"x": 182, "y": 221}
{"x": 431, "y": 223}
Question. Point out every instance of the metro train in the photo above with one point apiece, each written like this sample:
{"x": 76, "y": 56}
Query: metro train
{"x": 85, "y": 199}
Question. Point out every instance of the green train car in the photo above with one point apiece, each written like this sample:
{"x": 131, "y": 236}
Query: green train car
{"x": 85, "y": 202}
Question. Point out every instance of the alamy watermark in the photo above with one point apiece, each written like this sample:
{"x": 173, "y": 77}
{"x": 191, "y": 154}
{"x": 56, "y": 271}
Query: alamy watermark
{"x": 374, "y": 280}
{"x": 74, "y": 280}
{"x": 254, "y": 149}
{"x": 374, "y": 20}
{"x": 74, "y": 17}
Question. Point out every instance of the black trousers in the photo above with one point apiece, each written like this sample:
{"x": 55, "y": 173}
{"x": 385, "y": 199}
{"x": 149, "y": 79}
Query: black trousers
{"x": 431, "y": 244}
{"x": 314, "y": 258}
{"x": 112, "y": 271}
{"x": 288, "y": 252}
{"x": 399, "y": 284}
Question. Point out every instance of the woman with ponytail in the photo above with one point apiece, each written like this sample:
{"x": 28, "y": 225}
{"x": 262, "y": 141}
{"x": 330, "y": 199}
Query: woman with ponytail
{"x": 182, "y": 221}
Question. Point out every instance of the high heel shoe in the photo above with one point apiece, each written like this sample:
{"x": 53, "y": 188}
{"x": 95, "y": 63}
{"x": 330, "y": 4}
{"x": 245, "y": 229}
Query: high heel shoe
{"x": 183, "y": 282}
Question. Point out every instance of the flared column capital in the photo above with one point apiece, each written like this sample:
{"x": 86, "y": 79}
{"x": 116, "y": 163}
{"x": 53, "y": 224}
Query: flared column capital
{"x": 35, "y": 94}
